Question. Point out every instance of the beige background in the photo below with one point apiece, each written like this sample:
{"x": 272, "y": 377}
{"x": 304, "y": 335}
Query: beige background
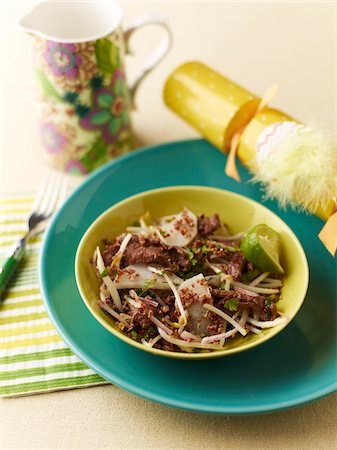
{"x": 255, "y": 44}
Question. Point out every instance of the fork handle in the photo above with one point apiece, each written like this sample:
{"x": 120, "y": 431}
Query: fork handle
{"x": 9, "y": 266}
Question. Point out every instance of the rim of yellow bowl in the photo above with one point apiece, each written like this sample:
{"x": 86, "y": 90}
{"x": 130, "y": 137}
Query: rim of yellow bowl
{"x": 266, "y": 334}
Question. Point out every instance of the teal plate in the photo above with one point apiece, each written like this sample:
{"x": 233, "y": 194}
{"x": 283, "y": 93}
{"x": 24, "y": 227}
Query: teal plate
{"x": 294, "y": 367}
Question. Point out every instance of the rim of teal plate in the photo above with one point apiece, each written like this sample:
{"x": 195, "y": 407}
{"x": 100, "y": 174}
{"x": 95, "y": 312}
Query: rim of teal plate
{"x": 144, "y": 393}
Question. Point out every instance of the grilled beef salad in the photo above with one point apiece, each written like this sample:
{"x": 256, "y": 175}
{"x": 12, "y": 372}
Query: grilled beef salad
{"x": 184, "y": 284}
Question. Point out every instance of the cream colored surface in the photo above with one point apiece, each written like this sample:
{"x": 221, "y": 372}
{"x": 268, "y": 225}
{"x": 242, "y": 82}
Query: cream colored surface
{"x": 256, "y": 44}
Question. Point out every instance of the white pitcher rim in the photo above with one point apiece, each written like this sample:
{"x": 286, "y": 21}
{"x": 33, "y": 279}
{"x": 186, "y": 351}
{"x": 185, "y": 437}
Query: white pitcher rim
{"x": 24, "y": 25}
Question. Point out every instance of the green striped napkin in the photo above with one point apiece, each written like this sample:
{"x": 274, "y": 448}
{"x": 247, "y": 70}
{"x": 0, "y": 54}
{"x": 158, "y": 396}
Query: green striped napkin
{"x": 33, "y": 358}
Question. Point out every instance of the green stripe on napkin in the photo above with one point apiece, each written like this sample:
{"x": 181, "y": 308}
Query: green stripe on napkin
{"x": 33, "y": 357}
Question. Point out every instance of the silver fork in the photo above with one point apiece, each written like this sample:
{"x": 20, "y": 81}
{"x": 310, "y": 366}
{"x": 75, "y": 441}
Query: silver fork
{"x": 52, "y": 193}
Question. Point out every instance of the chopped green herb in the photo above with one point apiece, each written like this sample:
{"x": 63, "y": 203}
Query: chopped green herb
{"x": 268, "y": 302}
{"x": 152, "y": 330}
{"x": 134, "y": 335}
{"x": 190, "y": 254}
{"x": 147, "y": 284}
{"x": 191, "y": 257}
{"x": 105, "y": 273}
{"x": 232, "y": 304}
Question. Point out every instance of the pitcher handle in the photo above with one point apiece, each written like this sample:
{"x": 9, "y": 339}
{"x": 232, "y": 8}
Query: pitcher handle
{"x": 158, "y": 54}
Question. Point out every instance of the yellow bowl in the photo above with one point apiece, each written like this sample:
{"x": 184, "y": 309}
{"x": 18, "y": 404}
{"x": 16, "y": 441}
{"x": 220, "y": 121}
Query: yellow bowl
{"x": 240, "y": 213}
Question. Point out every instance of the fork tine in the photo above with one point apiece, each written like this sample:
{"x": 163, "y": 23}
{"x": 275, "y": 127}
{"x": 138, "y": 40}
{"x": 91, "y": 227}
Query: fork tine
{"x": 41, "y": 192}
{"x": 54, "y": 191}
{"x": 47, "y": 192}
{"x": 61, "y": 192}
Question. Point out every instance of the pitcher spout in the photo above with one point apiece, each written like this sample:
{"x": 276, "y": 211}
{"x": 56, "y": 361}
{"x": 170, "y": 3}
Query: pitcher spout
{"x": 29, "y": 23}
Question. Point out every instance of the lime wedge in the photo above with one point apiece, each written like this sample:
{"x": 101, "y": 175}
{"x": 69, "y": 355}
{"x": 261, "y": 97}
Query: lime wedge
{"x": 260, "y": 246}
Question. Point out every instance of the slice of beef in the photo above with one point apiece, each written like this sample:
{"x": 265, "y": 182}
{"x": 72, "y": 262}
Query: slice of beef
{"x": 148, "y": 251}
{"x": 260, "y": 305}
{"x": 265, "y": 308}
{"x": 236, "y": 265}
{"x": 141, "y": 318}
{"x": 222, "y": 294}
{"x": 269, "y": 312}
{"x": 141, "y": 321}
{"x": 207, "y": 225}
{"x": 109, "y": 252}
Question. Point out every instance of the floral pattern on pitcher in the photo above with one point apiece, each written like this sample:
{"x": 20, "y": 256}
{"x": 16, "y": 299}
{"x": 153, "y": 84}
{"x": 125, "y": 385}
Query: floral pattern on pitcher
{"x": 85, "y": 102}
{"x": 109, "y": 112}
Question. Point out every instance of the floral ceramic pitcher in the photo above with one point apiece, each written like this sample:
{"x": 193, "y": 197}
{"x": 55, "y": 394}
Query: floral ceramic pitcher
{"x": 85, "y": 103}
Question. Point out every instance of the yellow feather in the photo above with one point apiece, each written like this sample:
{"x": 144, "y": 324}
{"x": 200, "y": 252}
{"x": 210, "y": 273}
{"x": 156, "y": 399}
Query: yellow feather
{"x": 301, "y": 171}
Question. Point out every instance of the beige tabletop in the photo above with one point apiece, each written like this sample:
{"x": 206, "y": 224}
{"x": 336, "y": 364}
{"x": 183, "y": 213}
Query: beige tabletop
{"x": 255, "y": 44}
